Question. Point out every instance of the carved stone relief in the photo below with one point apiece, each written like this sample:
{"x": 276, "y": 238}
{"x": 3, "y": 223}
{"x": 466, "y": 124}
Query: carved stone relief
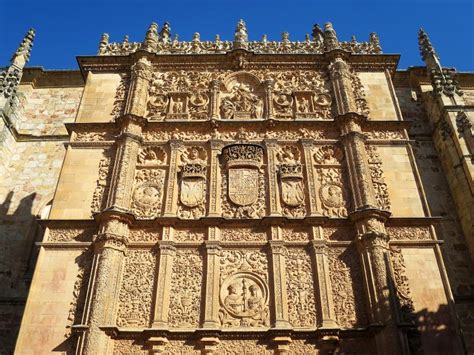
{"x": 295, "y": 234}
{"x": 300, "y": 346}
{"x": 99, "y": 197}
{"x": 332, "y": 190}
{"x": 378, "y": 180}
{"x": 71, "y": 235}
{"x": 185, "y": 291}
{"x": 290, "y": 171}
{"x": 339, "y": 233}
{"x": 181, "y": 347}
{"x": 409, "y": 233}
{"x": 193, "y": 186}
{"x": 244, "y": 293}
{"x": 189, "y": 235}
{"x": 401, "y": 284}
{"x": 150, "y": 156}
{"x": 243, "y": 189}
{"x": 254, "y": 234}
{"x": 300, "y": 289}
{"x": 148, "y": 193}
{"x": 243, "y": 347}
{"x": 134, "y": 307}
{"x": 144, "y": 235}
{"x": 128, "y": 346}
{"x": 121, "y": 96}
{"x": 347, "y": 290}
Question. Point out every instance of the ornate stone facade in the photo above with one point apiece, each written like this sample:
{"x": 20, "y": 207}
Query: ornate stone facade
{"x": 265, "y": 201}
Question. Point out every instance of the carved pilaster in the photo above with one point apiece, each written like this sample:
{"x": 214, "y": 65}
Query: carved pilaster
{"x": 269, "y": 98}
{"x": 215, "y": 179}
{"x": 278, "y": 275}
{"x": 353, "y": 142}
{"x": 273, "y": 190}
{"x": 166, "y": 255}
{"x": 171, "y": 204}
{"x": 340, "y": 75}
{"x": 213, "y": 252}
{"x": 310, "y": 176}
{"x": 138, "y": 93}
{"x": 214, "y": 90}
{"x": 319, "y": 254}
{"x": 109, "y": 248}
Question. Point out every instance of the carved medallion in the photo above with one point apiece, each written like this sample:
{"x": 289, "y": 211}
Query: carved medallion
{"x": 244, "y": 300}
{"x": 146, "y": 198}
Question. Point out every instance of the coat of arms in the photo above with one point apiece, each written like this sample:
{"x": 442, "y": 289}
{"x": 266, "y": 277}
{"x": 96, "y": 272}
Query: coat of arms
{"x": 243, "y": 186}
{"x": 193, "y": 178}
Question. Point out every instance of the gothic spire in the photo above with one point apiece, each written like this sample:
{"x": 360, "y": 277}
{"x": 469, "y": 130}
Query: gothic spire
{"x": 330, "y": 38}
{"x": 241, "y": 36}
{"x": 150, "y": 43}
{"x": 22, "y": 54}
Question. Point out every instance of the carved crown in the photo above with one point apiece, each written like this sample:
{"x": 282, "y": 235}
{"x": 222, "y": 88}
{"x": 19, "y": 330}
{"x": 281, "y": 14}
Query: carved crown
{"x": 243, "y": 155}
{"x": 291, "y": 171}
{"x": 194, "y": 171}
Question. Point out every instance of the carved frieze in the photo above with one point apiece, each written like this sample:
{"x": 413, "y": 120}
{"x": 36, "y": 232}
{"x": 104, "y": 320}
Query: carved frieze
{"x": 244, "y": 293}
{"x": 254, "y": 234}
{"x": 378, "y": 180}
{"x": 186, "y": 282}
{"x": 339, "y": 233}
{"x": 99, "y": 197}
{"x": 71, "y": 235}
{"x": 332, "y": 190}
{"x": 294, "y": 234}
{"x": 193, "y": 186}
{"x": 408, "y": 233}
{"x": 300, "y": 289}
{"x": 189, "y": 235}
{"x": 144, "y": 235}
{"x": 243, "y": 347}
{"x": 128, "y": 346}
{"x": 134, "y": 304}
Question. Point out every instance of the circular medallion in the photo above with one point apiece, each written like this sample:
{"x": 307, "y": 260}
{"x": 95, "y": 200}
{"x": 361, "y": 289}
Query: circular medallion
{"x": 331, "y": 195}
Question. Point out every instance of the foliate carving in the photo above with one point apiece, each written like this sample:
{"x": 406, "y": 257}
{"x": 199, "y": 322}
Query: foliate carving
{"x": 193, "y": 185}
{"x": 401, "y": 283}
{"x": 144, "y": 235}
{"x": 186, "y": 281}
{"x": 151, "y": 156}
{"x": 300, "y": 289}
{"x": 300, "y": 346}
{"x": 128, "y": 346}
{"x": 70, "y": 235}
{"x": 294, "y": 234}
{"x": 181, "y": 347}
{"x": 148, "y": 192}
{"x": 290, "y": 172}
{"x": 99, "y": 198}
{"x": 121, "y": 96}
{"x": 378, "y": 180}
{"x": 330, "y": 174}
{"x": 345, "y": 274}
{"x": 240, "y": 347}
{"x": 409, "y": 233}
{"x": 244, "y": 291}
{"x": 359, "y": 94}
{"x": 76, "y": 307}
{"x": 243, "y": 98}
{"x": 243, "y": 234}
{"x": 135, "y": 295}
{"x": 384, "y": 134}
{"x": 189, "y": 235}
{"x": 339, "y": 233}
{"x": 94, "y": 136}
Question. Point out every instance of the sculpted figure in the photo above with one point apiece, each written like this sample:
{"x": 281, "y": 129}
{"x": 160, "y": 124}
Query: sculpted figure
{"x": 303, "y": 105}
{"x": 233, "y": 300}
{"x": 178, "y": 105}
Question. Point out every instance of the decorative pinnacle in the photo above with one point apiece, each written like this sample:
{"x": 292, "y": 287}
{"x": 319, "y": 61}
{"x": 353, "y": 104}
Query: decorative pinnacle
{"x": 330, "y": 38}
{"x": 317, "y": 34}
{"x": 22, "y": 54}
{"x": 104, "y": 41}
{"x": 150, "y": 43}
{"x": 241, "y": 36}
{"x": 165, "y": 33}
{"x": 428, "y": 52}
{"x": 375, "y": 41}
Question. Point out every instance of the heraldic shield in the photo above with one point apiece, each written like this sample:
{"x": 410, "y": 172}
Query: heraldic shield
{"x": 193, "y": 185}
{"x": 292, "y": 192}
{"x": 243, "y": 185}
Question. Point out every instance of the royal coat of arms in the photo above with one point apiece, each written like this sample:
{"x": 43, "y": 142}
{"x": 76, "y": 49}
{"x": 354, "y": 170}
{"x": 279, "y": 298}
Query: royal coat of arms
{"x": 243, "y": 186}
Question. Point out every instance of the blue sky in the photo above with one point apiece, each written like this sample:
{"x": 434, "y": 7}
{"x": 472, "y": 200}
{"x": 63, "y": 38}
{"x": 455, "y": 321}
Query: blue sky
{"x": 68, "y": 28}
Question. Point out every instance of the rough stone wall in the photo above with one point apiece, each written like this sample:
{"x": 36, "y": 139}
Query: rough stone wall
{"x": 32, "y": 152}
{"x": 455, "y": 251}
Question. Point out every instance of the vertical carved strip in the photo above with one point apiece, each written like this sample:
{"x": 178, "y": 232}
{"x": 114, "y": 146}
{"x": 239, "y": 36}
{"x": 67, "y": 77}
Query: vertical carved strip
{"x": 310, "y": 176}
{"x": 278, "y": 276}
{"x": 340, "y": 75}
{"x": 319, "y": 254}
{"x": 166, "y": 253}
{"x": 215, "y": 180}
{"x": 268, "y": 98}
{"x": 214, "y": 88}
{"x": 171, "y": 204}
{"x": 213, "y": 252}
{"x": 275, "y": 208}
{"x": 137, "y": 97}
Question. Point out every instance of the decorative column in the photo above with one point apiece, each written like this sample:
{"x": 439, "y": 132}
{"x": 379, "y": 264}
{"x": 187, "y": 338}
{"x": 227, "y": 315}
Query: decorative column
{"x": 166, "y": 255}
{"x": 214, "y": 89}
{"x": 171, "y": 204}
{"x": 310, "y": 176}
{"x": 319, "y": 255}
{"x": 269, "y": 98}
{"x": 367, "y": 217}
{"x": 272, "y": 171}
{"x": 278, "y": 277}
{"x": 215, "y": 180}
{"x": 213, "y": 252}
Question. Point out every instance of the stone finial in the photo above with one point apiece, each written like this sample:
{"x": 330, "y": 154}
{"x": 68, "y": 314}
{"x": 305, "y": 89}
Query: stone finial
{"x": 317, "y": 34}
{"x": 241, "y": 36}
{"x": 285, "y": 37}
{"x": 150, "y": 44}
{"x": 375, "y": 42}
{"x": 22, "y": 54}
{"x": 165, "y": 33}
{"x": 104, "y": 41}
{"x": 330, "y": 37}
{"x": 428, "y": 52}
